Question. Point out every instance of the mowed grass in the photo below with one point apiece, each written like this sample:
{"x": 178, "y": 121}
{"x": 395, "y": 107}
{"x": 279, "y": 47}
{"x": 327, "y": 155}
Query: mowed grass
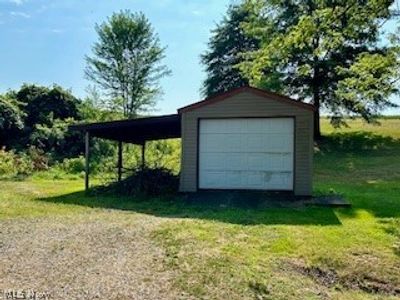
{"x": 274, "y": 253}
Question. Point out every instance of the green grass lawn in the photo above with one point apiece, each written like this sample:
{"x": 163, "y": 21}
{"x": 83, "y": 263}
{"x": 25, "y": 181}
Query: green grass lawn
{"x": 275, "y": 253}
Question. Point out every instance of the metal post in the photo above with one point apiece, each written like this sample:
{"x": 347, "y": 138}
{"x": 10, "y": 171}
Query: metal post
{"x": 143, "y": 155}
{"x": 119, "y": 160}
{"x": 87, "y": 140}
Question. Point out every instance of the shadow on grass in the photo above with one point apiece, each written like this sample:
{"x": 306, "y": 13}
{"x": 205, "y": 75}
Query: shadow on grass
{"x": 181, "y": 207}
{"x": 364, "y": 168}
{"x": 358, "y": 142}
{"x": 332, "y": 149}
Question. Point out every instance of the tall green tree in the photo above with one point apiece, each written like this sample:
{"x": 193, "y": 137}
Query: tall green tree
{"x": 36, "y": 116}
{"x": 327, "y": 52}
{"x": 226, "y": 45}
{"x": 11, "y": 119}
{"x": 42, "y": 104}
{"x": 126, "y": 62}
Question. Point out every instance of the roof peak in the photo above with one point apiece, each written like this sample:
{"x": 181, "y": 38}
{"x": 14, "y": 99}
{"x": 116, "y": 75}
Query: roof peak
{"x": 256, "y": 91}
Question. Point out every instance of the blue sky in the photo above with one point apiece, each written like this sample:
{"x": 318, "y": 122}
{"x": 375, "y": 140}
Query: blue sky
{"x": 45, "y": 41}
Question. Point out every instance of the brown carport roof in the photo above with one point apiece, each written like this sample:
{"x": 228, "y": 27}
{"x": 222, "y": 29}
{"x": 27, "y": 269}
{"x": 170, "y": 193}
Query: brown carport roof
{"x": 135, "y": 131}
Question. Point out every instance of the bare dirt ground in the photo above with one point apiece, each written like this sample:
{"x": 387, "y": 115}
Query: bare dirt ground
{"x": 102, "y": 255}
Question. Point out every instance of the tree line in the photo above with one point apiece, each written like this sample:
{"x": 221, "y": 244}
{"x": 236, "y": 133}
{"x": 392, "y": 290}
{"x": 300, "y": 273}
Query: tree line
{"x": 326, "y": 52}
{"x": 331, "y": 53}
{"x": 35, "y": 119}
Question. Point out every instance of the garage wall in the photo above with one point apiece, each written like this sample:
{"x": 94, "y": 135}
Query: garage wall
{"x": 247, "y": 104}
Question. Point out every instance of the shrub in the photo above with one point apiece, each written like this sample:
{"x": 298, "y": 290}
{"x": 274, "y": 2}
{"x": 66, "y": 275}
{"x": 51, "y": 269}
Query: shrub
{"x": 40, "y": 161}
{"x": 12, "y": 164}
{"x": 73, "y": 165}
{"x": 24, "y": 164}
{"x": 7, "y": 166}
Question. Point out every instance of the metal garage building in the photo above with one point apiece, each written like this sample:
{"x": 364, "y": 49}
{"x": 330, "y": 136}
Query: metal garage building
{"x": 245, "y": 139}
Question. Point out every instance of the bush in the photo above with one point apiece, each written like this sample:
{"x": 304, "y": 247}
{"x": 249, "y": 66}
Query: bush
{"x": 7, "y": 166}
{"x": 40, "y": 161}
{"x": 73, "y": 165}
{"x": 12, "y": 164}
{"x": 148, "y": 182}
{"x": 24, "y": 164}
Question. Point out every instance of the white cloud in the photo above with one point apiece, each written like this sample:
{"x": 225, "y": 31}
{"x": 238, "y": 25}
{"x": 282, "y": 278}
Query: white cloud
{"x": 197, "y": 12}
{"x": 20, "y": 14}
{"x": 56, "y": 30}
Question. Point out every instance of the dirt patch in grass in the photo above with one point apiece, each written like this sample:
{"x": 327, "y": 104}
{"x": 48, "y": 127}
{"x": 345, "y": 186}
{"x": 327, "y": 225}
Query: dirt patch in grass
{"x": 371, "y": 285}
{"x": 330, "y": 278}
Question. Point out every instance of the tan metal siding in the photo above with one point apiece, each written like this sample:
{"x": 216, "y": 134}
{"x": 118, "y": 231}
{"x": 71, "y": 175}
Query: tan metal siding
{"x": 249, "y": 105}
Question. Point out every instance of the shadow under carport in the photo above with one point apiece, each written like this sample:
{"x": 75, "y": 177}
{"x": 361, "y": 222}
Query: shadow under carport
{"x": 241, "y": 208}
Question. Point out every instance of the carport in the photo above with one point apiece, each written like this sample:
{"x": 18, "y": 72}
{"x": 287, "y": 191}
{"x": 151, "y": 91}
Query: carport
{"x": 134, "y": 131}
{"x": 244, "y": 139}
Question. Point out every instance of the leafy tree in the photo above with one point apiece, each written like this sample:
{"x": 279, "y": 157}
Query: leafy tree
{"x": 126, "y": 62}
{"x": 326, "y": 52}
{"x": 56, "y": 139}
{"x": 43, "y": 105}
{"x": 228, "y": 42}
{"x": 36, "y": 108}
{"x": 11, "y": 119}
{"x": 92, "y": 108}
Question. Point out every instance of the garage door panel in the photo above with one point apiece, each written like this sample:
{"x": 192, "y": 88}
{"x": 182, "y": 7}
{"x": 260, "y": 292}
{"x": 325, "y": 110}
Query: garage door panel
{"x": 248, "y": 161}
{"x": 280, "y": 162}
{"x": 235, "y": 161}
{"x": 244, "y": 180}
{"x": 255, "y": 142}
{"x": 231, "y": 142}
{"x": 209, "y": 143}
{"x": 215, "y": 161}
{"x": 254, "y": 126}
{"x": 277, "y": 179}
{"x": 213, "y": 126}
{"x": 234, "y": 126}
{"x": 224, "y": 161}
{"x": 222, "y": 142}
{"x": 246, "y": 154}
{"x": 212, "y": 179}
{"x": 280, "y": 126}
{"x": 234, "y": 178}
{"x": 278, "y": 143}
{"x": 255, "y": 179}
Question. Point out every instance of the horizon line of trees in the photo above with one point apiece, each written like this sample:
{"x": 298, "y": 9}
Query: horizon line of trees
{"x": 38, "y": 116}
{"x": 34, "y": 135}
{"x": 323, "y": 52}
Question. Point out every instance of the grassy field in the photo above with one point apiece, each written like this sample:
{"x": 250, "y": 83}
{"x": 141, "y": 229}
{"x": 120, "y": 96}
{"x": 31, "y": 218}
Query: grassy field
{"x": 230, "y": 253}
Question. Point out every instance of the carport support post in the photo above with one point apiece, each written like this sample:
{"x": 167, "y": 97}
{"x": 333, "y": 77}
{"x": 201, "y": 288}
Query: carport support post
{"x": 87, "y": 140}
{"x": 143, "y": 165}
{"x": 119, "y": 160}
{"x": 143, "y": 154}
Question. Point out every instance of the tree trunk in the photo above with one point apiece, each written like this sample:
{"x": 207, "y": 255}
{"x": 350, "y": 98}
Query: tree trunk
{"x": 316, "y": 95}
{"x": 317, "y": 105}
{"x": 317, "y": 128}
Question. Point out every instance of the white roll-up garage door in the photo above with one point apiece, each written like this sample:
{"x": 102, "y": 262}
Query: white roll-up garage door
{"x": 246, "y": 153}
